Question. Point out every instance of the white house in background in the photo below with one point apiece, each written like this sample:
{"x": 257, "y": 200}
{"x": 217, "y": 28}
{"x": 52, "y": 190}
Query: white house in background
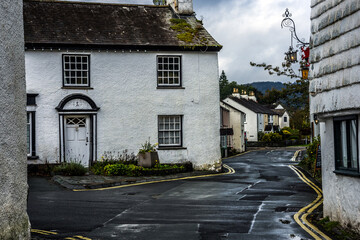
{"x": 335, "y": 101}
{"x": 258, "y": 118}
{"x": 284, "y": 117}
{"x": 107, "y": 77}
{"x": 232, "y": 131}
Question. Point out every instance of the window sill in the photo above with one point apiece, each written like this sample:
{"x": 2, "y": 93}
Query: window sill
{"x": 32, "y": 157}
{"x": 170, "y": 87}
{"x": 171, "y": 148}
{"x": 80, "y": 87}
{"x": 347, "y": 173}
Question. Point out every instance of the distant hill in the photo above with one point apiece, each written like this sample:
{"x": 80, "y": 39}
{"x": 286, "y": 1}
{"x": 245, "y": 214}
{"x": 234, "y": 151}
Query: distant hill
{"x": 263, "y": 86}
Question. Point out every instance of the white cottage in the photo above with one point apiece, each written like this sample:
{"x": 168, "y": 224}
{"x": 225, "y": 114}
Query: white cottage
{"x": 284, "y": 117}
{"x": 107, "y": 77}
{"x": 335, "y": 102}
{"x": 257, "y": 118}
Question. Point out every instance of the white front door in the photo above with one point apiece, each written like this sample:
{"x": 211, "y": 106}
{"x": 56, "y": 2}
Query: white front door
{"x": 77, "y": 146}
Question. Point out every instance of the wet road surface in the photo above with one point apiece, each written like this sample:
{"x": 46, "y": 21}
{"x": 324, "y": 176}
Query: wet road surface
{"x": 257, "y": 202}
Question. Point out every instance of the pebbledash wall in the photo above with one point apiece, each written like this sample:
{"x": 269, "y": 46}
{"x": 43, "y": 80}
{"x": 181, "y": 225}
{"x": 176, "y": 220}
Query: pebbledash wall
{"x": 334, "y": 95}
{"x": 124, "y": 87}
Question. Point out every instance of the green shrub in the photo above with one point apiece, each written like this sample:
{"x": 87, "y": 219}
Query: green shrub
{"x": 119, "y": 169}
{"x": 261, "y": 135}
{"x": 289, "y": 133}
{"x": 113, "y": 158}
{"x": 271, "y": 137}
{"x": 308, "y": 163}
{"x": 70, "y": 169}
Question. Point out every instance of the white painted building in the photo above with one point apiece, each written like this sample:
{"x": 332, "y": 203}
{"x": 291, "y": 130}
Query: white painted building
{"x": 255, "y": 113}
{"x": 335, "y": 101}
{"x": 99, "y": 80}
{"x": 232, "y": 127}
{"x": 284, "y": 117}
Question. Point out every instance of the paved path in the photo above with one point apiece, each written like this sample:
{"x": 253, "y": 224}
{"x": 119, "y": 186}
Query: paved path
{"x": 257, "y": 202}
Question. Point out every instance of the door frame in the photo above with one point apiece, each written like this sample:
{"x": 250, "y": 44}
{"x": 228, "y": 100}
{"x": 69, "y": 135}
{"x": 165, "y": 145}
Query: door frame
{"x": 78, "y": 105}
{"x": 92, "y": 135}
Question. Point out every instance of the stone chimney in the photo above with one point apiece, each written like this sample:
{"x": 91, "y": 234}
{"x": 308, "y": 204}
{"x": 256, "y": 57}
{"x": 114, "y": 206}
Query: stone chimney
{"x": 236, "y": 93}
{"x": 252, "y": 96}
{"x": 244, "y": 95}
{"x": 183, "y": 7}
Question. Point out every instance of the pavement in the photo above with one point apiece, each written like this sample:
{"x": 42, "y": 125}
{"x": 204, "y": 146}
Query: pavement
{"x": 97, "y": 181}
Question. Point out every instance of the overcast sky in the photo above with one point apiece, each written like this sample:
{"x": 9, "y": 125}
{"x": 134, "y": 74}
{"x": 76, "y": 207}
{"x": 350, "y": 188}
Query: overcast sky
{"x": 249, "y": 30}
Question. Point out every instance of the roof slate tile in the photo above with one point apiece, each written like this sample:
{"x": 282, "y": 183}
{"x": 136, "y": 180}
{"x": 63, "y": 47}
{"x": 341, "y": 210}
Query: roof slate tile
{"x": 77, "y": 23}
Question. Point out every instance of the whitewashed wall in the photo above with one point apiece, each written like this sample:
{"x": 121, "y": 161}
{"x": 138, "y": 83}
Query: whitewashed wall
{"x": 341, "y": 193}
{"x": 334, "y": 91}
{"x": 250, "y": 125}
{"x": 125, "y": 88}
{"x": 281, "y": 120}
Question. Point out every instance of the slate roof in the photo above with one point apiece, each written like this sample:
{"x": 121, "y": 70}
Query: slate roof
{"x": 280, "y": 112}
{"x": 55, "y": 23}
{"x": 228, "y": 105}
{"x": 253, "y": 106}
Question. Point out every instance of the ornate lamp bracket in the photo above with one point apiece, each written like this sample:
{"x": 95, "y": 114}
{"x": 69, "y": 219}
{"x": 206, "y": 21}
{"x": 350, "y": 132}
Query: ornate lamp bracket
{"x": 289, "y": 23}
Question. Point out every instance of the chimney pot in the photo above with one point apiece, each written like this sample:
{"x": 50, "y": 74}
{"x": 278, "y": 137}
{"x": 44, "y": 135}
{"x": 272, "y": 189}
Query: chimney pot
{"x": 181, "y": 6}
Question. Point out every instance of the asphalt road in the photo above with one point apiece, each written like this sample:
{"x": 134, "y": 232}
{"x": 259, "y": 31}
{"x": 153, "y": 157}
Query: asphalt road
{"x": 257, "y": 202}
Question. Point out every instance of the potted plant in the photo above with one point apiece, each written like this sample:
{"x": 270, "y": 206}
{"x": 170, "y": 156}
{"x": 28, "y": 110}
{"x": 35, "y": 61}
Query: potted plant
{"x": 148, "y": 155}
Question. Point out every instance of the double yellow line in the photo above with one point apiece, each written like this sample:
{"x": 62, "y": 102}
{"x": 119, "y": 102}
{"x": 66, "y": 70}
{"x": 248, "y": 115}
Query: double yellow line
{"x": 77, "y": 237}
{"x": 305, "y": 211}
{"x": 48, "y": 233}
{"x": 43, "y": 232}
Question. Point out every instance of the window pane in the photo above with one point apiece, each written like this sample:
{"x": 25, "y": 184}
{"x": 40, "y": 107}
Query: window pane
{"x": 28, "y": 134}
{"x": 76, "y": 70}
{"x": 343, "y": 145}
{"x": 169, "y": 69}
{"x": 353, "y": 144}
{"x": 169, "y": 130}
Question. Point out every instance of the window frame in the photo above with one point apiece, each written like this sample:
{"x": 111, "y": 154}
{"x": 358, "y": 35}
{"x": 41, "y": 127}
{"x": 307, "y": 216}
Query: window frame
{"x": 337, "y": 121}
{"x": 164, "y": 146}
{"x": 32, "y": 139}
{"x": 63, "y": 71}
{"x": 285, "y": 119}
{"x": 168, "y": 86}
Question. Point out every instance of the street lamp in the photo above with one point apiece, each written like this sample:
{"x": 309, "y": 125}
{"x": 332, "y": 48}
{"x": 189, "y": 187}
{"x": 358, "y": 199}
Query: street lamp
{"x": 291, "y": 55}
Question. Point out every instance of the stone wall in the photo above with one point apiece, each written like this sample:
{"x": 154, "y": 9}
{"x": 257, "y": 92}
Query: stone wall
{"x": 14, "y": 223}
{"x": 334, "y": 91}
